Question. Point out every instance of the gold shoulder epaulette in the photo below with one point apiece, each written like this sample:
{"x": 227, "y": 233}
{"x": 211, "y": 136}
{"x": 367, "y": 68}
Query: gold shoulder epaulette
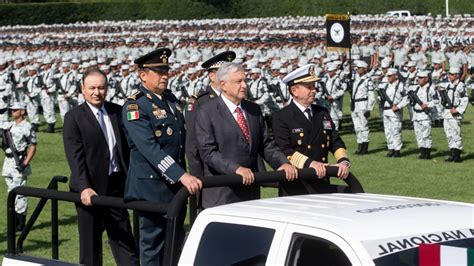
{"x": 135, "y": 96}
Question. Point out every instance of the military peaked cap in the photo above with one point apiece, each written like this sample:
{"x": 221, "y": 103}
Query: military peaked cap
{"x": 216, "y": 61}
{"x": 156, "y": 60}
{"x": 304, "y": 74}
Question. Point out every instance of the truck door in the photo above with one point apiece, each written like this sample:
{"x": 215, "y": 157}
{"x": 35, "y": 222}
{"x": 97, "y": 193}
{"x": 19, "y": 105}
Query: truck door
{"x": 303, "y": 246}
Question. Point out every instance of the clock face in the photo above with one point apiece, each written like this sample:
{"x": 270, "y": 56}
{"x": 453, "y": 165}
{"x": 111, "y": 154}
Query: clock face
{"x": 337, "y": 32}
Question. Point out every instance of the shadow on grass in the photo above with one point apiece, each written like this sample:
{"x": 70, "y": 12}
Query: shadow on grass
{"x": 65, "y": 221}
{"x": 443, "y": 153}
{"x": 469, "y": 156}
{"x": 410, "y": 152}
{"x": 33, "y": 245}
{"x": 376, "y": 150}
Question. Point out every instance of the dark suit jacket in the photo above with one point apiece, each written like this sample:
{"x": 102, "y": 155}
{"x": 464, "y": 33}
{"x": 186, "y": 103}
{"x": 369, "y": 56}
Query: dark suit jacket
{"x": 293, "y": 132}
{"x": 87, "y": 151}
{"x": 196, "y": 166}
{"x": 223, "y": 149}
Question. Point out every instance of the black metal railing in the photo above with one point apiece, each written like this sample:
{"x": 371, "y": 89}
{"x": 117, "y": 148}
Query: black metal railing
{"x": 171, "y": 247}
{"x": 172, "y": 210}
{"x": 53, "y": 184}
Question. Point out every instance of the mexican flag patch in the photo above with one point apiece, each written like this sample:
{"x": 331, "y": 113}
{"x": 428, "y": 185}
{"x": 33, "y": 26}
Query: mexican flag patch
{"x": 133, "y": 115}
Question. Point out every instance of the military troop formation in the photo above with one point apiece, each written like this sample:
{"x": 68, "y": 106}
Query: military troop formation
{"x": 422, "y": 64}
{"x": 42, "y": 66}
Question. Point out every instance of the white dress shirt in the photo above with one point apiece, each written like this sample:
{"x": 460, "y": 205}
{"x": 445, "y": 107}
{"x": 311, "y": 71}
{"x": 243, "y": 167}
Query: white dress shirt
{"x": 232, "y": 108}
{"x": 111, "y": 141}
{"x": 302, "y": 108}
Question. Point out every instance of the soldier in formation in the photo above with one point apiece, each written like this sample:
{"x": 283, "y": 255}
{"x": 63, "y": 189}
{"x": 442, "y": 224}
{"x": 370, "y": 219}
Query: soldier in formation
{"x": 267, "y": 48}
{"x": 19, "y": 144}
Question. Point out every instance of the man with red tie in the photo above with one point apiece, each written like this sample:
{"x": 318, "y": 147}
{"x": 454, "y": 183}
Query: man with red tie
{"x": 231, "y": 134}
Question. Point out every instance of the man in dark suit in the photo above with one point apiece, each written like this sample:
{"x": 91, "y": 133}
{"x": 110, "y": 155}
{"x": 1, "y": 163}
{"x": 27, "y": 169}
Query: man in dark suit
{"x": 196, "y": 166}
{"x": 305, "y": 132}
{"x": 155, "y": 131}
{"x": 98, "y": 156}
{"x": 212, "y": 92}
{"x": 231, "y": 134}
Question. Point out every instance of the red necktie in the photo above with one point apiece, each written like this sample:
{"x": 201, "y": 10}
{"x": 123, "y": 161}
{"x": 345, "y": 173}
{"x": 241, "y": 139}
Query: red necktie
{"x": 242, "y": 124}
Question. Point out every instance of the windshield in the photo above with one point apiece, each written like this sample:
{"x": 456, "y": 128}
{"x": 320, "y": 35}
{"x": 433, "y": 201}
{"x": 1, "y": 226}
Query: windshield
{"x": 454, "y": 247}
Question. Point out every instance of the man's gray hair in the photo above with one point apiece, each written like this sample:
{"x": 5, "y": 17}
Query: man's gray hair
{"x": 228, "y": 68}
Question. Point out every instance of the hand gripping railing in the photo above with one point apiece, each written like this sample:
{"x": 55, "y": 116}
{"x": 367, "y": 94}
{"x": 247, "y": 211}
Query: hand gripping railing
{"x": 172, "y": 210}
{"x": 171, "y": 247}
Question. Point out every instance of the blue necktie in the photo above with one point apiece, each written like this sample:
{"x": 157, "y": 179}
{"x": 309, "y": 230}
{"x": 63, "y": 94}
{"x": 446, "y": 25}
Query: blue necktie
{"x": 100, "y": 118}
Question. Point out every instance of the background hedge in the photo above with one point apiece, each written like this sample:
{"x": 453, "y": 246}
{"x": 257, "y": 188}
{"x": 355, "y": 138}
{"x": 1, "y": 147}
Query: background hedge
{"x": 68, "y": 12}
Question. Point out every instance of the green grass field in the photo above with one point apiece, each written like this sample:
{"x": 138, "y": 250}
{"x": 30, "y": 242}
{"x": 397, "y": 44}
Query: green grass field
{"x": 398, "y": 176}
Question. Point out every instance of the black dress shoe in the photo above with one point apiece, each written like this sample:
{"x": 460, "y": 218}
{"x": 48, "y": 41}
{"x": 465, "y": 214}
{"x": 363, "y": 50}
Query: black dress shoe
{"x": 396, "y": 154}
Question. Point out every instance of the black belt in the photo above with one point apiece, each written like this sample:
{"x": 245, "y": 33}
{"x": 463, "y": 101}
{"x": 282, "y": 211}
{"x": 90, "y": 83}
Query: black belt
{"x": 418, "y": 111}
{"x": 360, "y": 100}
{"x": 10, "y": 155}
{"x": 387, "y": 108}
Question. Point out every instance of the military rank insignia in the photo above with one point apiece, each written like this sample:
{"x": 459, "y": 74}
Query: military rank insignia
{"x": 159, "y": 113}
{"x": 327, "y": 124}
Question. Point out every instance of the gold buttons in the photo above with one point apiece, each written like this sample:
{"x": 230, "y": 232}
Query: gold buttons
{"x": 327, "y": 143}
{"x": 301, "y": 134}
{"x": 158, "y": 133}
{"x": 299, "y": 142}
{"x": 151, "y": 177}
{"x": 309, "y": 147}
{"x": 323, "y": 146}
{"x": 324, "y": 131}
{"x": 324, "y": 159}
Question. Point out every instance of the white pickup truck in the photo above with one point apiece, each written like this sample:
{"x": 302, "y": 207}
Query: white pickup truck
{"x": 321, "y": 229}
{"x": 333, "y": 229}
{"x": 399, "y": 13}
